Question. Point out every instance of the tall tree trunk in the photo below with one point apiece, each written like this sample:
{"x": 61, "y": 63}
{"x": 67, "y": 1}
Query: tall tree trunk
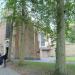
{"x": 21, "y": 43}
{"x": 22, "y": 33}
{"x": 11, "y": 21}
{"x": 10, "y": 42}
{"x": 17, "y": 42}
{"x": 60, "y": 45}
{"x": 9, "y": 34}
{"x": 36, "y": 45}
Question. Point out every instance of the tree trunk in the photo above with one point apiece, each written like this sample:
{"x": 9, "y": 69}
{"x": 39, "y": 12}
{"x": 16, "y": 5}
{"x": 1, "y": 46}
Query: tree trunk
{"x": 9, "y": 34}
{"x": 10, "y": 42}
{"x": 36, "y": 45}
{"x": 22, "y": 33}
{"x": 17, "y": 42}
{"x": 60, "y": 45}
{"x": 21, "y": 43}
{"x": 11, "y": 21}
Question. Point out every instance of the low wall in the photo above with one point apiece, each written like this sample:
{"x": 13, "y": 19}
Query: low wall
{"x": 69, "y": 50}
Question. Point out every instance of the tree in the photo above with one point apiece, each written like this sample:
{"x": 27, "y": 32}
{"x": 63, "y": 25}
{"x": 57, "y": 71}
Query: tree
{"x": 22, "y": 21}
{"x": 22, "y": 31}
{"x": 47, "y": 14}
{"x": 46, "y": 18}
{"x": 44, "y": 12}
{"x": 71, "y": 34}
{"x": 17, "y": 13}
{"x": 10, "y": 19}
{"x": 60, "y": 41}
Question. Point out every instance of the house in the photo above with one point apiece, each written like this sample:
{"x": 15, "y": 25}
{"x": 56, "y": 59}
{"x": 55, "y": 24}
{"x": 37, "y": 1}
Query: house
{"x": 31, "y": 44}
{"x": 44, "y": 45}
{"x": 2, "y": 35}
{"x": 37, "y": 47}
{"x": 40, "y": 49}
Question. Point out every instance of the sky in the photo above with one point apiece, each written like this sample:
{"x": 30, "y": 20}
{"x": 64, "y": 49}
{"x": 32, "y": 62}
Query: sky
{"x": 1, "y": 6}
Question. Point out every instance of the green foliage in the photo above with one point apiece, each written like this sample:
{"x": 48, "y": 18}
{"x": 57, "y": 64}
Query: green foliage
{"x": 71, "y": 34}
{"x": 70, "y": 10}
{"x": 43, "y": 12}
{"x": 47, "y": 14}
{"x": 15, "y": 12}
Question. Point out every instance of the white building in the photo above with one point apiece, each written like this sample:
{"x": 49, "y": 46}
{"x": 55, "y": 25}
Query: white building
{"x": 2, "y": 36}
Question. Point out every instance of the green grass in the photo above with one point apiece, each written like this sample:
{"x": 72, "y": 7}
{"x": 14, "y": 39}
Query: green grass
{"x": 37, "y": 68}
{"x": 71, "y": 69}
{"x": 71, "y": 59}
{"x": 45, "y": 68}
{"x": 37, "y": 65}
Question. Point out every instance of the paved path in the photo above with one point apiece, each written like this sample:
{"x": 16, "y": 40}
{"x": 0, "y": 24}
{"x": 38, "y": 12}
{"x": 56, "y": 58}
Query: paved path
{"x": 7, "y": 71}
{"x": 51, "y": 60}
{"x": 48, "y": 60}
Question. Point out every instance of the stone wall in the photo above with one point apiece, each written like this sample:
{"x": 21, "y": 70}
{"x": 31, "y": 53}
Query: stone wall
{"x": 69, "y": 51}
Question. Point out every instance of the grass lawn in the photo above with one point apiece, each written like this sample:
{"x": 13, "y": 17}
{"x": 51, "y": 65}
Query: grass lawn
{"x": 39, "y": 68}
{"x": 70, "y": 59}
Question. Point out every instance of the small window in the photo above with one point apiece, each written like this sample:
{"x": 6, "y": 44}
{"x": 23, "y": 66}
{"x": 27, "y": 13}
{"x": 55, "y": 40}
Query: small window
{"x": 42, "y": 39}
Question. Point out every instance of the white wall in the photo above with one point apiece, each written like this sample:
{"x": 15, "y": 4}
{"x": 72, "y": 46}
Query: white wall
{"x": 2, "y": 35}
